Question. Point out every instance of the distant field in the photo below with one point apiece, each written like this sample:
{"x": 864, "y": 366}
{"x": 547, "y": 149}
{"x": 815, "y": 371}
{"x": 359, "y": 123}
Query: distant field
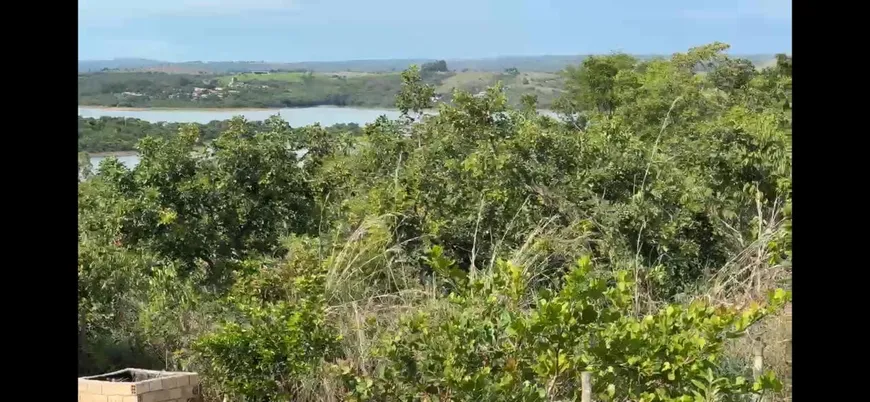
{"x": 174, "y": 69}
{"x": 351, "y": 74}
{"x": 297, "y": 77}
{"x": 542, "y": 84}
{"x": 295, "y": 89}
{"x": 248, "y": 77}
{"x": 469, "y": 81}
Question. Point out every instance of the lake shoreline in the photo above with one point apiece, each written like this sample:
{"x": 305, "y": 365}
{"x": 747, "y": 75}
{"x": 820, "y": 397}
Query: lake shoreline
{"x": 222, "y": 109}
{"x": 244, "y": 109}
{"x": 111, "y": 153}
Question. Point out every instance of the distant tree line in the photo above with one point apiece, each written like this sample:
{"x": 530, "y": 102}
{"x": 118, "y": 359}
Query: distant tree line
{"x": 435, "y": 66}
{"x": 288, "y": 89}
{"x": 118, "y": 134}
{"x": 138, "y": 89}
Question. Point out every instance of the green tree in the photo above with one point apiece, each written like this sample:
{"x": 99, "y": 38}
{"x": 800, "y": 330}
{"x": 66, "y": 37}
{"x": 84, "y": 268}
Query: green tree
{"x": 415, "y": 95}
{"x": 85, "y": 167}
{"x": 529, "y": 102}
{"x": 215, "y": 207}
{"x": 591, "y": 86}
{"x": 435, "y": 66}
{"x": 732, "y": 74}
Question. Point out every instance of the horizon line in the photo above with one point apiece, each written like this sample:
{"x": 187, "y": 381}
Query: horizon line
{"x": 411, "y": 58}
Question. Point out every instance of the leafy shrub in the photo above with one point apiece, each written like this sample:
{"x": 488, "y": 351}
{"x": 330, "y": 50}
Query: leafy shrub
{"x": 262, "y": 357}
{"x": 487, "y": 347}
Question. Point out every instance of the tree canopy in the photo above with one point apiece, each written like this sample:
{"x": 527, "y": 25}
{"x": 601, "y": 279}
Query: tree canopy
{"x": 435, "y": 66}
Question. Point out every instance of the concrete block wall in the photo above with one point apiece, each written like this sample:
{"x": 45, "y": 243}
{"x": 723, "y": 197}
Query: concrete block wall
{"x": 166, "y": 387}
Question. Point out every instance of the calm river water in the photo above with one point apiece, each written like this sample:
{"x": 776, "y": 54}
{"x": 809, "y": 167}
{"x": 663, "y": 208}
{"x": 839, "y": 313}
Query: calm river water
{"x": 297, "y": 117}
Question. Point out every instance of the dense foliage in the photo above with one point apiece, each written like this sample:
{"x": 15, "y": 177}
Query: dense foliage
{"x": 116, "y": 134}
{"x": 485, "y": 252}
{"x": 493, "y": 345}
{"x": 435, "y": 66}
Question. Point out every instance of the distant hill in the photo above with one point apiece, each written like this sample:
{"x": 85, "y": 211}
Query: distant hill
{"x": 547, "y": 63}
{"x": 120, "y": 64}
{"x": 222, "y": 67}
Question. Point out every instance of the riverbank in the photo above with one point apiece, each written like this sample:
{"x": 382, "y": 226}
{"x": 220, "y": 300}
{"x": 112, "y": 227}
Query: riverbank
{"x": 548, "y": 112}
{"x": 117, "y": 154}
{"x": 110, "y": 130}
{"x": 227, "y": 109}
{"x": 173, "y": 109}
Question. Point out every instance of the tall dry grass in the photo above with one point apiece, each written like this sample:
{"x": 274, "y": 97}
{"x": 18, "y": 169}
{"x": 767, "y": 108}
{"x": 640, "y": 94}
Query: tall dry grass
{"x": 747, "y": 278}
{"x": 371, "y": 283}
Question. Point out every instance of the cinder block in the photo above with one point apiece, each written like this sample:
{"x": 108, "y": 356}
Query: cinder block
{"x": 135, "y": 385}
{"x": 169, "y": 382}
{"x": 89, "y": 397}
{"x": 118, "y": 388}
{"x": 155, "y": 396}
{"x": 91, "y": 387}
{"x": 152, "y": 385}
{"x": 183, "y": 380}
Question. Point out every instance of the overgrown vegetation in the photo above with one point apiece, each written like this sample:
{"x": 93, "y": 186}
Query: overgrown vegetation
{"x": 118, "y": 134}
{"x": 485, "y": 252}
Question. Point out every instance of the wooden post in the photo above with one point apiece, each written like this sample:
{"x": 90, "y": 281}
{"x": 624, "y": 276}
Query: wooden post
{"x": 586, "y": 387}
{"x": 758, "y": 365}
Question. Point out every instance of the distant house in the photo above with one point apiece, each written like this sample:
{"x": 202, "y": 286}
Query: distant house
{"x": 260, "y": 72}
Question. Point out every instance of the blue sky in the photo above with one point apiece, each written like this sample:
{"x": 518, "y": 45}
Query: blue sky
{"x": 325, "y": 30}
